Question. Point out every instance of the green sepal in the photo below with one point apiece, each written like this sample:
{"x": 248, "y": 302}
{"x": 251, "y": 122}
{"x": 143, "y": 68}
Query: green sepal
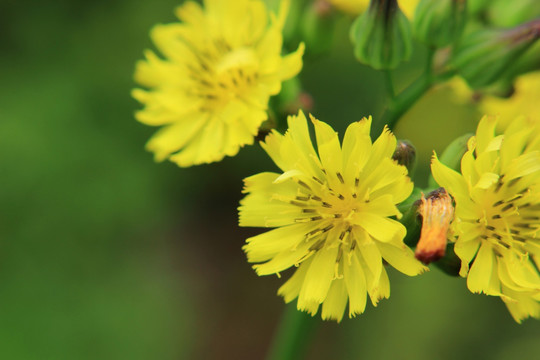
{"x": 450, "y": 263}
{"x": 410, "y": 218}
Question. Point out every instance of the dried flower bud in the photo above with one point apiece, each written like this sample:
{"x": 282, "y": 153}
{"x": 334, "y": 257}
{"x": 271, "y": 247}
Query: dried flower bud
{"x": 405, "y": 154}
{"x": 437, "y": 212}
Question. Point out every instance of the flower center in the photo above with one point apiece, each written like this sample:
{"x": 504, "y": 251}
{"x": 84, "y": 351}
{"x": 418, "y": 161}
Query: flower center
{"x": 512, "y": 216}
{"x": 328, "y": 206}
{"x": 222, "y": 74}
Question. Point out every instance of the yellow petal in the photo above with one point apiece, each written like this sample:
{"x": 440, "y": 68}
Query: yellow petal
{"x": 466, "y": 250}
{"x": 265, "y": 246}
{"x": 381, "y": 228}
{"x": 481, "y": 270}
{"x": 329, "y": 147}
{"x": 355, "y": 280}
{"x": 174, "y": 137}
{"x": 335, "y": 302}
{"x": 291, "y": 289}
{"x": 292, "y": 63}
{"x": 485, "y": 132}
{"x": 452, "y": 181}
{"x": 319, "y": 276}
{"x": 284, "y": 260}
{"x": 402, "y": 258}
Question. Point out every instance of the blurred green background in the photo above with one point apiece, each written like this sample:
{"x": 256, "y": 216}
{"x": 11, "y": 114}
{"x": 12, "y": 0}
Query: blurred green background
{"x": 105, "y": 254}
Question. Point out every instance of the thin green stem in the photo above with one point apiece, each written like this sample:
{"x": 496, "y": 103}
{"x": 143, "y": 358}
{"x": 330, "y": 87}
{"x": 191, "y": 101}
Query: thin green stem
{"x": 292, "y": 335}
{"x": 401, "y": 103}
{"x": 389, "y": 83}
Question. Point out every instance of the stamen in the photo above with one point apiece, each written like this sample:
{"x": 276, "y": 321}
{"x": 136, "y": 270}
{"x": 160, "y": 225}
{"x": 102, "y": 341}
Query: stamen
{"x": 301, "y": 183}
{"x": 317, "y": 180}
{"x": 318, "y": 245}
{"x": 513, "y": 182}
{"x": 327, "y": 228}
{"x": 309, "y": 210}
{"x": 507, "y": 207}
{"x": 340, "y": 178}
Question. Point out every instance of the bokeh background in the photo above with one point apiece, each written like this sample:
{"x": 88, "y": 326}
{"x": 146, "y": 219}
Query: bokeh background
{"x": 105, "y": 254}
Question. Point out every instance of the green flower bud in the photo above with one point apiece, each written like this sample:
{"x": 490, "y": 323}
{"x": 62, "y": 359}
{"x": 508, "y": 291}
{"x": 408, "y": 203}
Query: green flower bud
{"x": 405, "y": 154}
{"x": 382, "y": 35}
{"x": 483, "y": 56}
{"x": 507, "y": 13}
{"x": 438, "y": 23}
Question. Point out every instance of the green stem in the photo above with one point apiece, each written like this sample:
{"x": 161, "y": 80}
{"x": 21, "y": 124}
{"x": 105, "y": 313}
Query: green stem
{"x": 389, "y": 83}
{"x": 401, "y": 103}
{"x": 292, "y": 336}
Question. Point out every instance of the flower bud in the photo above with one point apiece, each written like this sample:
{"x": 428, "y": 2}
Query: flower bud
{"x": 437, "y": 212}
{"x": 438, "y": 23}
{"x": 485, "y": 55}
{"x": 381, "y": 35}
{"x": 405, "y": 154}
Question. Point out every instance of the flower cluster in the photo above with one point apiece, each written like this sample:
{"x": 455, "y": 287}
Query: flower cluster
{"x": 334, "y": 211}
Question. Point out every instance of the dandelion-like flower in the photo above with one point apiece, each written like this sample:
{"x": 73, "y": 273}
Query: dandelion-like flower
{"x": 497, "y": 215}
{"x": 210, "y": 93}
{"x": 333, "y": 211}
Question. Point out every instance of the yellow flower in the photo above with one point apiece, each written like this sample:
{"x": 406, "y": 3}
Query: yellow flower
{"x": 524, "y": 101}
{"x": 497, "y": 214}
{"x": 210, "y": 93}
{"x": 332, "y": 211}
{"x": 355, "y": 7}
